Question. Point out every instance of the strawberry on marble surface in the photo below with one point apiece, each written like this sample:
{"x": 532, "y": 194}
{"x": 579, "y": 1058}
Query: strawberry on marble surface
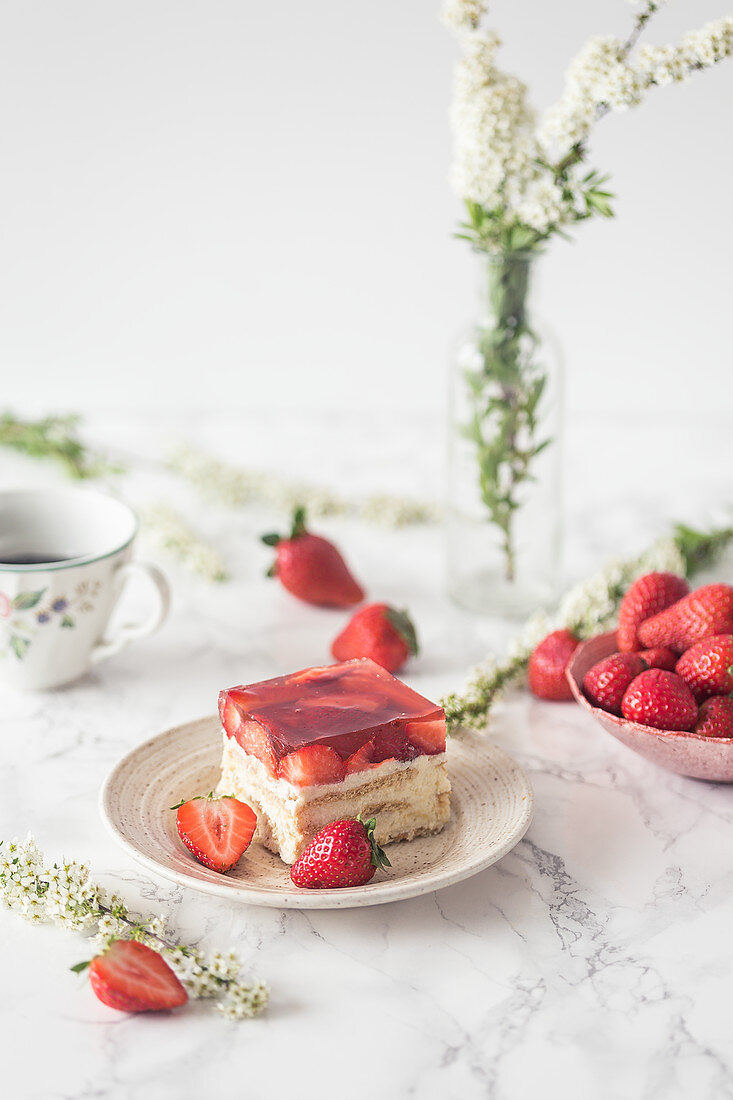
{"x": 312, "y": 568}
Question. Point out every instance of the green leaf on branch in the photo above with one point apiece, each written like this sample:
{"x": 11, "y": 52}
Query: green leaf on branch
{"x": 700, "y": 549}
{"x": 599, "y": 201}
{"x": 54, "y": 437}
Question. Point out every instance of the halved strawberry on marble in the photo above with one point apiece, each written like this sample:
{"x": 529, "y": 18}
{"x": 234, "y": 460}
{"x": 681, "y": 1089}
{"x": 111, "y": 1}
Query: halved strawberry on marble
{"x": 131, "y": 977}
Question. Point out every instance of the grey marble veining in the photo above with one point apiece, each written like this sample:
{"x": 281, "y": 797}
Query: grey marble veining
{"x": 593, "y": 961}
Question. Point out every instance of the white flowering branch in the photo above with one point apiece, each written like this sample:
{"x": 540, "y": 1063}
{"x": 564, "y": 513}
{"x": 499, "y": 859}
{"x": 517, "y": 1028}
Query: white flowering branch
{"x": 169, "y": 532}
{"x": 237, "y": 487}
{"x": 521, "y": 181}
{"x": 608, "y": 76}
{"x": 55, "y": 437}
{"x": 586, "y": 609}
{"x": 64, "y": 894}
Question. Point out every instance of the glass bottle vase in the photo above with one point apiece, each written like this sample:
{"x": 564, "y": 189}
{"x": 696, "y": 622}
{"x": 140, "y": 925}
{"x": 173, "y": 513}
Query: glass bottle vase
{"x": 504, "y": 499}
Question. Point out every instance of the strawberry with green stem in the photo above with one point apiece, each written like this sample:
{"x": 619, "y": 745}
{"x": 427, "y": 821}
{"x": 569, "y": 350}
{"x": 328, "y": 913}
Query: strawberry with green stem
{"x": 381, "y": 632}
{"x": 343, "y": 854}
{"x": 312, "y": 568}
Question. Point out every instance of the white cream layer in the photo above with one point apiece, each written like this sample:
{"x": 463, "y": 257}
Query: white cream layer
{"x": 409, "y": 798}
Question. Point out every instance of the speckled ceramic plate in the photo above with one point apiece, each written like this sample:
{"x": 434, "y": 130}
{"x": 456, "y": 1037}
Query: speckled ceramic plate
{"x": 491, "y": 808}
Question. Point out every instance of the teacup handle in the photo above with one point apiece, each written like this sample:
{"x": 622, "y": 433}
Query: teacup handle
{"x": 129, "y": 632}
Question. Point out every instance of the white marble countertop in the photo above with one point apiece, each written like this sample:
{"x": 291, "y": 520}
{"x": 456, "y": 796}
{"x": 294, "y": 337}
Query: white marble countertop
{"x": 593, "y": 961}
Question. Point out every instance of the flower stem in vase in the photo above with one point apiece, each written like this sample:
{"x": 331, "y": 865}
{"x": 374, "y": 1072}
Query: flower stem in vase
{"x": 506, "y": 392}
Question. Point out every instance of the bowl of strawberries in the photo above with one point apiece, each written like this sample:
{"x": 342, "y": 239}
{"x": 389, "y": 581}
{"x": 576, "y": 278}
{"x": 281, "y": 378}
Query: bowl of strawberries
{"x": 662, "y": 684}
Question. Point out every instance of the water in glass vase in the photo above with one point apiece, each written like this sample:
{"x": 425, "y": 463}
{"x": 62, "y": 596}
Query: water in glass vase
{"x": 504, "y": 491}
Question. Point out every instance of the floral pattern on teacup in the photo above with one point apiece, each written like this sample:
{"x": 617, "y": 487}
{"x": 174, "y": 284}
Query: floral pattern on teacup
{"x": 21, "y": 615}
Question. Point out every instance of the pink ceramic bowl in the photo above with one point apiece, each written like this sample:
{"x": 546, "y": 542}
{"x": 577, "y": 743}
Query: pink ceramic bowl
{"x": 684, "y": 753}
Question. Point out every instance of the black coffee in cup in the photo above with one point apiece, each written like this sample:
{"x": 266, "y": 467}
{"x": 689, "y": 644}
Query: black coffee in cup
{"x": 33, "y": 559}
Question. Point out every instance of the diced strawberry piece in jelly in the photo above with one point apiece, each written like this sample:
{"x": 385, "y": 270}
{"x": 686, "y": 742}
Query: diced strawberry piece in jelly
{"x": 385, "y": 745}
{"x": 311, "y": 766}
{"x": 360, "y": 760}
{"x": 256, "y": 742}
{"x": 344, "y": 707}
{"x": 428, "y": 735}
{"x": 392, "y": 745}
{"x": 231, "y": 717}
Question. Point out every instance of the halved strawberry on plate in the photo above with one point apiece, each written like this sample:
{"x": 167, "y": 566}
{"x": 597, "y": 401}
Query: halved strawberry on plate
{"x": 216, "y": 830}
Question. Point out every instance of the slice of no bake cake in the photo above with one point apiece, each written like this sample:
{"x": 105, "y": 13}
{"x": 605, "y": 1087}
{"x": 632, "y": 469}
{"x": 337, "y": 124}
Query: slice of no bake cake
{"x": 329, "y": 743}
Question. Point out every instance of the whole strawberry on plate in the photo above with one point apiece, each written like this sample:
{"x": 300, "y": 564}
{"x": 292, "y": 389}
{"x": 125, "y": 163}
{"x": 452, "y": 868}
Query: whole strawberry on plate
{"x": 342, "y": 854}
{"x": 546, "y": 670}
{"x": 646, "y": 596}
{"x": 216, "y": 830}
{"x": 378, "y": 631}
{"x": 707, "y": 666}
{"x": 311, "y": 567}
{"x": 131, "y": 977}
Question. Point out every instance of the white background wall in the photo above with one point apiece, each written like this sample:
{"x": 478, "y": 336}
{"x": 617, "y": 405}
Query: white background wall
{"x": 237, "y": 204}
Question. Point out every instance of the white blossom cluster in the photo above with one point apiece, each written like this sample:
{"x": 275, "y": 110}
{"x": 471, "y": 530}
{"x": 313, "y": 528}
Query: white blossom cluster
{"x": 171, "y": 532}
{"x": 598, "y": 77}
{"x": 218, "y": 977}
{"x": 463, "y": 15}
{"x": 586, "y": 609}
{"x": 237, "y": 487}
{"x": 65, "y": 895}
{"x": 243, "y": 1002}
{"x": 493, "y": 124}
{"x": 607, "y": 76}
{"x": 168, "y": 531}
{"x": 62, "y": 894}
{"x": 522, "y": 174}
{"x": 544, "y": 204}
{"x": 497, "y": 162}
{"x": 699, "y": 49}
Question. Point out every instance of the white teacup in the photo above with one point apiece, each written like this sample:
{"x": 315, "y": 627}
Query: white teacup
{"x": 64, "y": 559}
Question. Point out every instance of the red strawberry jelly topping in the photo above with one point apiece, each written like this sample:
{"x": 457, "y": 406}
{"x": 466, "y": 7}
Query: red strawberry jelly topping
{"x": 356, "y": 708}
